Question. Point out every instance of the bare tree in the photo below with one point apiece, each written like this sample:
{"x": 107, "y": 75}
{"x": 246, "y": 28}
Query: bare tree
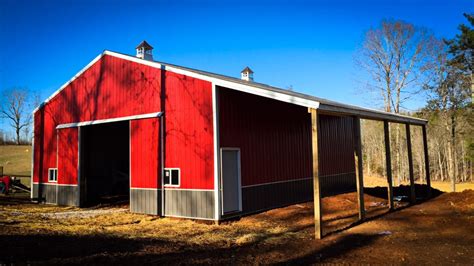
{"x": 398, "y": 57}
{"x": 15, "y": 107}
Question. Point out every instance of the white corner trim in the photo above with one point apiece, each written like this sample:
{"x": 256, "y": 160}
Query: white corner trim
{"x": 186, "y": 189}
{"x": 56, "y": 184}
{"x": 143, "y": 188}
{"x": 215, "y": 127}
{"x": 97, "y": 58}
{"x": 110, "y": 120}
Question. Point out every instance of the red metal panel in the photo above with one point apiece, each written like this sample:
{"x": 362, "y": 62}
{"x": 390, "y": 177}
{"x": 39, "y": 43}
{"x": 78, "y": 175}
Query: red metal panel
{"x": 274, "y": 137}
{"x": 114, "y": 87}
{"x": 336, "y": 146}
{"x": 67, "y": 155}
{"x": 189, "y": 130}
{"x": 37, "y": 144}
{"x": 144, "y": 152}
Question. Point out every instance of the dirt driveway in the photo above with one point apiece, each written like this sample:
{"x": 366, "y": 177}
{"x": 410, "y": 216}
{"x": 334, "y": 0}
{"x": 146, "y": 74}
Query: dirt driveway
{"x": 439, "y": 231}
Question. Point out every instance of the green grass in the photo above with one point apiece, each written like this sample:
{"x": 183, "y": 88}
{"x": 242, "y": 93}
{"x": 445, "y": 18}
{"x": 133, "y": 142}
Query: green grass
{"x": 16, "y": 160}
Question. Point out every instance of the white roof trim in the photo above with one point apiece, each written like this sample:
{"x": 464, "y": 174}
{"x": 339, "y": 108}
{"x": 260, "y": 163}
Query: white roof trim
{"x": 293, "y": 99}
{"x": 224, "y": 83}
{"x": 110, "y": 120}
{"x": 69, "y": 81}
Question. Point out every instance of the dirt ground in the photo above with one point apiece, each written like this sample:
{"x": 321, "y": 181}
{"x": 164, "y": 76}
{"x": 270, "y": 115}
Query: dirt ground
{"x": 438, "y": 231}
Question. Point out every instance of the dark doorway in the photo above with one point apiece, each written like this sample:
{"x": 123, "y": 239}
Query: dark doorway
{"x": 104, "y": 164}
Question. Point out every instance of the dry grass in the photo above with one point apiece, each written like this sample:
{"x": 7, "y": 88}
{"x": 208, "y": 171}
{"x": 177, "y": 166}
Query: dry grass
{"x": 32, "y": 219}
{"x": 16, "y": 160}
{"x": 108, "y": 235}
{"x": 373, "y": 181}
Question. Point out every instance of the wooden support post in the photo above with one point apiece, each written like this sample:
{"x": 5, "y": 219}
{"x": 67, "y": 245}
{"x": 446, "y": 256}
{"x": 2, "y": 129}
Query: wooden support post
{"x": 359, "y": 172}
{"x": 318, "y": 225}
{"x": 427, "y": 161}
{"x": 388, "y": 163}
{"x": 410, "y": 165}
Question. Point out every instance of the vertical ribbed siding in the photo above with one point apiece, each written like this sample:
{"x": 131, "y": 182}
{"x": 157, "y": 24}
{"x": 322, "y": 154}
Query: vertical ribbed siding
{"x": 263, "y": 197}
{"x": 336, "y": 149}
{"x": 67, "y": 155}
{"x": 274, "y": 137}
{"x": 275, "y": 143}
{"x": 144, "y": 153}
{"x": 68, "y": 195}
{"x": 48, "y": 192}
{"x": 147, "y": 201}
{"x": 197, "y": 204}
{"x": 110, "y": 88}
{"x": 113, "y": 87}
{"x": 189, "y": 130}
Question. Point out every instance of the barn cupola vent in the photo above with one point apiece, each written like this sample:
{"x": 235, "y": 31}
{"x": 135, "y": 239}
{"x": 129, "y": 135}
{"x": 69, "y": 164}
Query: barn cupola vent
{"x": 247, "y": 74}
{"x": 144, "y": 51}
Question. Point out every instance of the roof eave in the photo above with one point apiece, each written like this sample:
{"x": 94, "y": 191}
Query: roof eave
{"x": 370, "y": 114}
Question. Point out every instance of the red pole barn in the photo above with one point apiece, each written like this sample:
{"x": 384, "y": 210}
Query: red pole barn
{"x": 175, "y": 141}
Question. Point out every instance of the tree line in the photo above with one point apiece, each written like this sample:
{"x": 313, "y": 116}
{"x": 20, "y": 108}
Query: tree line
{"x": 403, "y": 62}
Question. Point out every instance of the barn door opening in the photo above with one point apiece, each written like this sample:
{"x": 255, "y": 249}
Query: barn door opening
{"x": 231, "y": 191}
{"x": 104, "y": 164}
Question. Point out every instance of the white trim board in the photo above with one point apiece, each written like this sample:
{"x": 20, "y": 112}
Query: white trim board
{"x": 55, "y": 184}
{"x": 97, "y": 58}
{"x": 110, "y": 120}
{"x": 219, "y": 82}
{"x": 168, "y": 188}
{"x": 187, "y": 189}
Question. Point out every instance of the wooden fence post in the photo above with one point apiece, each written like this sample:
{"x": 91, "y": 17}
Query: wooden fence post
{"x": 388, "y": 162}
{"x": 427, "y": 161}
{"x": 359, "y": 172}
{"x": 318, "y": 230}
{"x": 410, "y": 165}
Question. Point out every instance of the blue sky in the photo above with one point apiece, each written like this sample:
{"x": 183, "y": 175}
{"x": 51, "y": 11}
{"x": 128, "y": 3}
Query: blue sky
{"x": 309, "y": 45}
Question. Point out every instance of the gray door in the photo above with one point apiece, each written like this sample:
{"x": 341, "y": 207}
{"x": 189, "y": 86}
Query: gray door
{"x": 231, "y": 191}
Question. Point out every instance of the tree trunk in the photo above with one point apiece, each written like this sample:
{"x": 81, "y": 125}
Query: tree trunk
{"x": 453, "y": 153}
{"x": 397, "y": 155}
{"x": 440, "y": 164}
{"x": 17, "y": 130}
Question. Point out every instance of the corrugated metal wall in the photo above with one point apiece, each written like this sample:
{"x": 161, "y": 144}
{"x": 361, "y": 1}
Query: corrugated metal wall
{"x": 67, "y": 155}
{"x": 336, "y": 148}
{"x": 276, "y": 157}
{"x": 189, "y": 130}
{"x": 110, "y": 88}
{"x": 274, "y": 137}
{"x": 114, "y": 87}
{"x": 144, "y": 153}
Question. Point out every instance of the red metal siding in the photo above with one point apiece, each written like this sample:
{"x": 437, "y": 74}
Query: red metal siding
{"x": 274, "y": 137}
{"x": 144, "y": 143}
{"x": 336, "y": 146}
{"x": 37, "y": 144}
{"x": 189, "y": 130}
{"x": 67, "y": 155}
{"x": 114, "y": 87}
